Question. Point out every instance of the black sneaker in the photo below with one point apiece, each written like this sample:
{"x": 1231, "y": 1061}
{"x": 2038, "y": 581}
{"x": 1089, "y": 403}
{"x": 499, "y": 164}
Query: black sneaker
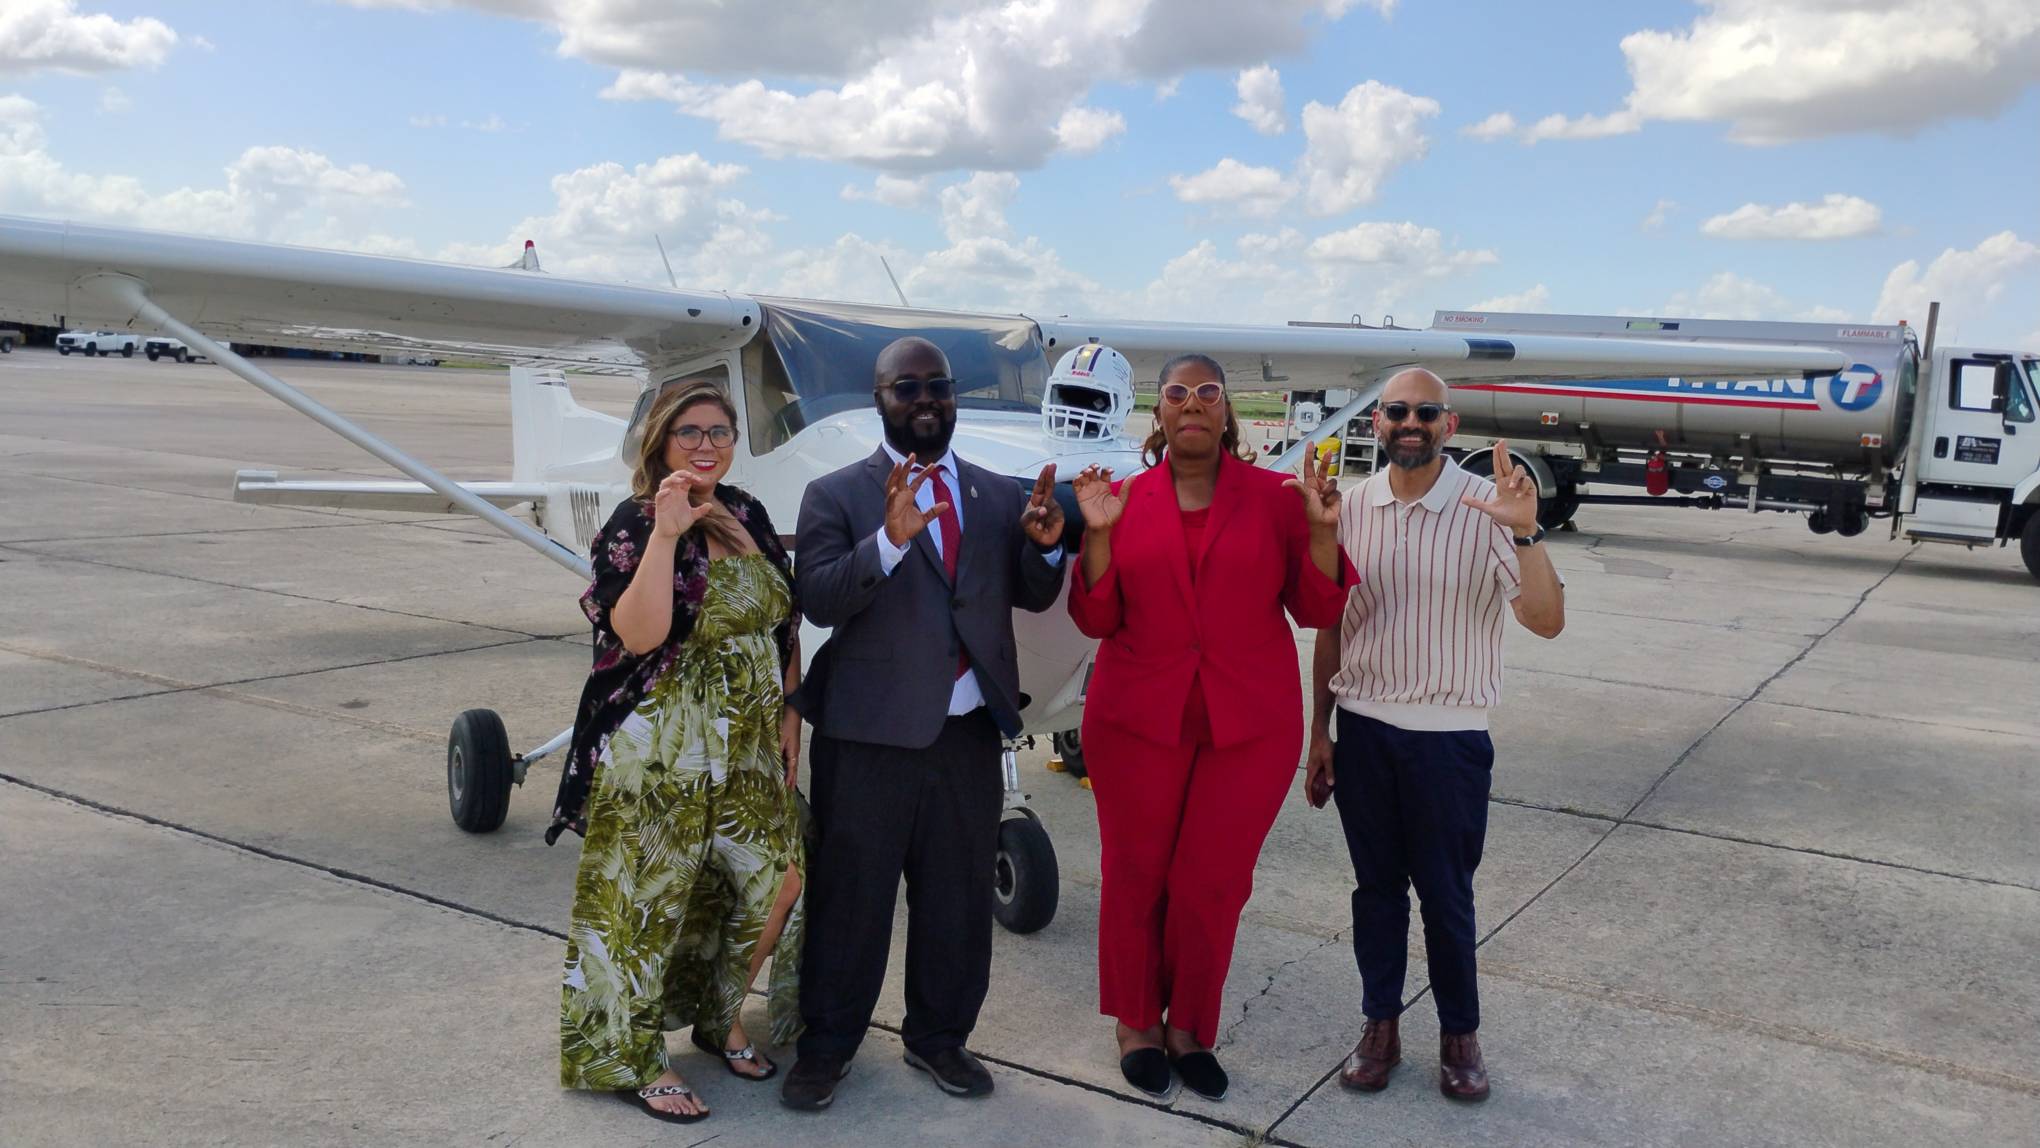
{"x": 811, "y": 1084}
{"x": 1201, "y": 1074}
{"x": 956, "y": 1071}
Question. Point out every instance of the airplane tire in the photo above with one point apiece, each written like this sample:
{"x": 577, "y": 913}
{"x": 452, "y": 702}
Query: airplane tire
{"x": 478, "y": 771}
{"x": 1024, "y": 876}
{"x": 1070, "y": 748}
{"x": 2029, "y": 543}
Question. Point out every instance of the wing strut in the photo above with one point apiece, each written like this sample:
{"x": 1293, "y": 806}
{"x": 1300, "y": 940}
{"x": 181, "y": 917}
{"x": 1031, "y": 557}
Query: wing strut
{"x": 132, "y": 293}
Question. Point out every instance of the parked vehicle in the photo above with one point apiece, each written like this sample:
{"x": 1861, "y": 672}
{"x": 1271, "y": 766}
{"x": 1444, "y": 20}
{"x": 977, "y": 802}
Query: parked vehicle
{"x": 101, "y": 343}
{"x": 163, "y": 346}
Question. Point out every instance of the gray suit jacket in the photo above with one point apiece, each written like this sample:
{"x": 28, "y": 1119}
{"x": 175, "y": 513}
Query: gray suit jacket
{"x": 886, "y": 673}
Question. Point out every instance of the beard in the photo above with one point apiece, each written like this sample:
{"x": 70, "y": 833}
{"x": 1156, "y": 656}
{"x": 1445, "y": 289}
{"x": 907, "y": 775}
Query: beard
{"x": 926, "y": 445}
{"x": 1411, "y": 455}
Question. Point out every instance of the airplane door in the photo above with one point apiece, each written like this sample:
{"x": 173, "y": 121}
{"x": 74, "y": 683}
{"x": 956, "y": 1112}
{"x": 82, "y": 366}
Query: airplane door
{"x": 721, "y": 369}
{"x": 1983, "y": 431}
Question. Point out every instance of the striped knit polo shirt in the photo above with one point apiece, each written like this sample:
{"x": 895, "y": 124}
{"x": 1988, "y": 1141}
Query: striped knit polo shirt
{"x": 1420, "y": 644}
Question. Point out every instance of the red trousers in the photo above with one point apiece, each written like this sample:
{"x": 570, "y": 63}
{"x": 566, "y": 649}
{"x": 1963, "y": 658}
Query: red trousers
{"x": 1180, "y": 828}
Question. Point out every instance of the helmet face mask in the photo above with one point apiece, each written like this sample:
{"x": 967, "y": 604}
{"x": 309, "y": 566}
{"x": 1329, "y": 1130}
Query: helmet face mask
{"x": 1088, "y": 396}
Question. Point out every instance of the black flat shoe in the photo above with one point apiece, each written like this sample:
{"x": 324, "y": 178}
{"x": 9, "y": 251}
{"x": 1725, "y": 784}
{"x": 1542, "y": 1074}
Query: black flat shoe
{"x": 731, "y": 1056}
{"x": 1148, "y": 1070}
{"x": 1201, "y": 1074}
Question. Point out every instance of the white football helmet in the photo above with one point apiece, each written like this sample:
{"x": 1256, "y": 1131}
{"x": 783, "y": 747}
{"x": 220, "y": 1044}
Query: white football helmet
{"x": 1089, "y": 395}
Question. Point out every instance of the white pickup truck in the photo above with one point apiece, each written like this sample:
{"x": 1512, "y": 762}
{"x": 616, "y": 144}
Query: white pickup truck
{"x": 163, "y": 346}
{"x": 101, "y": 343}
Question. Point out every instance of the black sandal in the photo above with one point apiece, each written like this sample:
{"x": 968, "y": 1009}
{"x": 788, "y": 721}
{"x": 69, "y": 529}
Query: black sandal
{"x": 732, "y": 1056}
{"x": 643, "y": 1097}
{"x": 1147, "y": 1069}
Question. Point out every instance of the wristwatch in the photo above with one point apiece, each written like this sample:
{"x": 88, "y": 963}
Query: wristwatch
{"x": 1533, "y": 540}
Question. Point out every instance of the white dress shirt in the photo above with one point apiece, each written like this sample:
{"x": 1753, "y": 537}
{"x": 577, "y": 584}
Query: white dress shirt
{"x": 966, "y": 696}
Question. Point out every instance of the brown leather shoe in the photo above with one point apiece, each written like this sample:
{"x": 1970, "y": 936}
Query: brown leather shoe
{"x": 1379, "y": 1051}
{"x": 1462, "y": 1074}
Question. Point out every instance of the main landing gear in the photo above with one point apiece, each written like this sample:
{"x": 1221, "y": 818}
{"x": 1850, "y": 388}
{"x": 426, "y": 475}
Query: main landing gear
{"x": 481, "y": 769}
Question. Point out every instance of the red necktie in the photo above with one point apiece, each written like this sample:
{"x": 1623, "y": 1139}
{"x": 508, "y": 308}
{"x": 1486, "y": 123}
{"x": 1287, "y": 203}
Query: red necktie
{"x": 952, "y": 545}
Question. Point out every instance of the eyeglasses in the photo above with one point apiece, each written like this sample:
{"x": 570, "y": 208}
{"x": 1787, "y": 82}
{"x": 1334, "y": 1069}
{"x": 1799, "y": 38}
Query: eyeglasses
{"x": 1425, "y": 412}
{"x": 690, "y": 436}
{"x": 909, "y": 390}
{"x": 1176, "y": 394}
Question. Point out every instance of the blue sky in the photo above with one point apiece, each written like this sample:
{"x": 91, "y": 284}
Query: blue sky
{"x": 1750, "y": 158}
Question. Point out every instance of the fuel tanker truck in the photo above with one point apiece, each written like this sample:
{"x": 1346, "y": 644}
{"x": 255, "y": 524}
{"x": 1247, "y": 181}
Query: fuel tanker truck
{"x": 1941, "y": 441}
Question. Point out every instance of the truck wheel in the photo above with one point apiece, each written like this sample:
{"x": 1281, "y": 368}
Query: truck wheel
{"x": 1819, "y": 522}
{"x": 1854, "y": 521}
{"x": 478, "y": 771}
{"x": 2029, "y": 543}
{"x": 63, "y": 350}
{"x": 1559, "y": 510}
{"x": 1024, "y": 876}
{"x": 1069, "y": 750}
{"x": 182, "y": 355}
{"x": 154, "y": 355}
{"x": 128, "y": 352}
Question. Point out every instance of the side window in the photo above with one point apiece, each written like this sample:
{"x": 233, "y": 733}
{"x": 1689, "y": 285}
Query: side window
{"x": 771, "y": 405}
{"x": 634, "y": 435}
{"x": 2019, "y": 405}
{"x": 1975, "y": 384}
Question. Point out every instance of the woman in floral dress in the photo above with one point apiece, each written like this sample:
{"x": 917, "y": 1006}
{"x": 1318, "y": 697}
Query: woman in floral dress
{"x": 681, "y": 776}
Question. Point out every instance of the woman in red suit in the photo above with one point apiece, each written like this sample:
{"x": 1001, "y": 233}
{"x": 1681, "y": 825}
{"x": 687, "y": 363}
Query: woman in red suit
{"x": 1193, "y": 724}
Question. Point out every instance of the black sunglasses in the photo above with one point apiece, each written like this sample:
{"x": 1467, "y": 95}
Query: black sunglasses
{"x": 909, "y": 390}
{"x": 1426, "y": 412}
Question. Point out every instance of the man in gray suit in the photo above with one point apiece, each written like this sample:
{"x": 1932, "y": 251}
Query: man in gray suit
{"x": 916, "y": 559}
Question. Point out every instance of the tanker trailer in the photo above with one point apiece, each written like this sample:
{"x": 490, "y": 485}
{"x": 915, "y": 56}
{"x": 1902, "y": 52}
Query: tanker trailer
{"x": 1946, "y": 445}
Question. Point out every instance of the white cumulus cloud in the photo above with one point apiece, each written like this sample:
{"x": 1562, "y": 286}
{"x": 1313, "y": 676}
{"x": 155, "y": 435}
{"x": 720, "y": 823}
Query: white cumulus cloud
{"x": 1357, "y": 145}
{"x": 1775, "y": 71}
{"x": 891, "y": 190}
{"x": 1532, "y": 301}
{"x": 1084, "y": 130}
{"x": 1261, "y": 100}
{"x": 1965, "y": 283}
{"x": 1834, "y": 217}
{"x": 1252, "y": 190}
{"x": 38, "y": 35}
{"x": 1499, "y": 126}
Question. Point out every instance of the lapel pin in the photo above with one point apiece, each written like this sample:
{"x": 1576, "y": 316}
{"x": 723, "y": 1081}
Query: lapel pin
{"x": 973, "y": 492}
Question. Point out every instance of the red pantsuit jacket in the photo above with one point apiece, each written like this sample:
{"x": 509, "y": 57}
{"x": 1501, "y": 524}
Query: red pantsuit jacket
{"x": 1157, "y": 631}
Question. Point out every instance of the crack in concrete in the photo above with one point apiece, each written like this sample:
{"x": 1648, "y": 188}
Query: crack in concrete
{"x": 1247, "y": 1005}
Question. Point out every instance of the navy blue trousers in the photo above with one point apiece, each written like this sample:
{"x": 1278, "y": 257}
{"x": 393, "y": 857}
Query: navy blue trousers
{"x": 1414, "y": 806}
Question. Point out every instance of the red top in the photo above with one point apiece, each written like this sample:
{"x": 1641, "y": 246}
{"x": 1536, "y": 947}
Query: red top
{"x": 1194, "y": 524}
{"x": 1160, "y": 630}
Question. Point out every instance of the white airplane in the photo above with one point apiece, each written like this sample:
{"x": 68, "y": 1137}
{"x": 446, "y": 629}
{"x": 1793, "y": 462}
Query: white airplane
{"x": 799, "y": 371}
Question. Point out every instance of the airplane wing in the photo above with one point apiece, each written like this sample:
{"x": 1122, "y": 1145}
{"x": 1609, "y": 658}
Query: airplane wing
{"x": 267, "y": 294}
{"x": 1310, "y": 358}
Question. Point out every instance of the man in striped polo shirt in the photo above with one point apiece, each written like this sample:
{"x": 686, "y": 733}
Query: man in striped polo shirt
{"x": 1410, "y": 675}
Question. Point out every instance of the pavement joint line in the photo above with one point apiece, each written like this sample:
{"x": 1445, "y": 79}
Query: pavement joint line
{"x": 1680, "y": 690}
{"x": 352, "y": 877}
{"x": 331, "y": 512}
{"x": 1777, "y": 1030}
{"x": 348, "y": 524}
{"x": 224, "y": 689}
{"x": 346, "y": 875}
{"x": 100, "y": 562}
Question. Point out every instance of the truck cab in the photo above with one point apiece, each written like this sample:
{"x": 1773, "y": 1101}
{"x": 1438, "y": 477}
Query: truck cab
{"x": 1974, "y": 459}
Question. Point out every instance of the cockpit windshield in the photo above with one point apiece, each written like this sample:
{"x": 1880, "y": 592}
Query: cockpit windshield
{"x": 817, "y": 360}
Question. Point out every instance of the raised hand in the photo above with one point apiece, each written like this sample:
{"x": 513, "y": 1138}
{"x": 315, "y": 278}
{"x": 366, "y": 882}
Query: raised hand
{"x": 1101, "y": 507}
{"x": 904, "y": 520}
{"x": 1043, "y": 518}
{"x": 1515, "y": 502}
{"x": 1320, "y": 493}
{"x": 674, "y": 511}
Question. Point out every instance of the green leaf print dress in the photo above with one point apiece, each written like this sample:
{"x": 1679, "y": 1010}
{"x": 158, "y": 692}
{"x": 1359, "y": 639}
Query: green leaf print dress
{"x": 691, "y": 831}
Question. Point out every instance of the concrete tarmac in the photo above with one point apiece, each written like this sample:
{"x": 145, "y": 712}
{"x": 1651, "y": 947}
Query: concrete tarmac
{"x": 1763, "y": 863}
